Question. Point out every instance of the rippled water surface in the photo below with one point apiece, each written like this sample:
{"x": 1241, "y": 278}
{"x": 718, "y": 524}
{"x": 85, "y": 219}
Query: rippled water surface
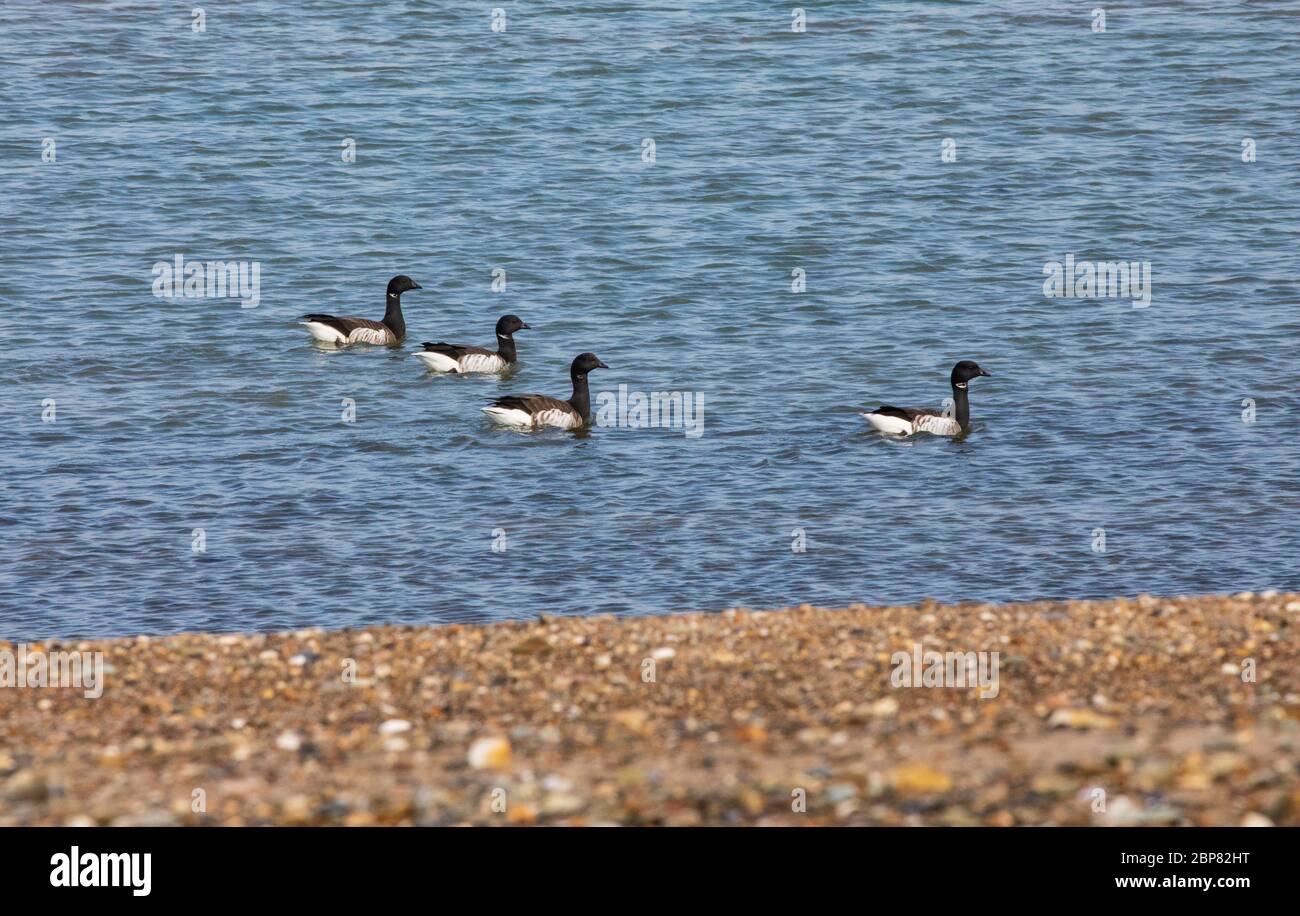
{"x": 524, "y": 150}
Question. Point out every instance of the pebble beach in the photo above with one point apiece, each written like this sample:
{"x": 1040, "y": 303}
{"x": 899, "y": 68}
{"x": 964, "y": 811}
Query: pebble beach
{"x": 1132, "y": 711}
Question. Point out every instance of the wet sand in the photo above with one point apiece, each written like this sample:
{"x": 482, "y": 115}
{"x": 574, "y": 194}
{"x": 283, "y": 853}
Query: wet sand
{"x": 1130, "y": 711}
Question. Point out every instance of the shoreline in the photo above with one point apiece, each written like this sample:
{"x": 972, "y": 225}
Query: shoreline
{"x": 1117, "y": 712}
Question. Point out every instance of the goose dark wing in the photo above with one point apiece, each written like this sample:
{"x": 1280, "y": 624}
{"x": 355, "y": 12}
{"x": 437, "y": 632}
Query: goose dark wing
{"x": 345, "y": 326}
{"x": 902, "y": 413}
{"x": 455, "y": 351}
{"x": 910, "y": 414}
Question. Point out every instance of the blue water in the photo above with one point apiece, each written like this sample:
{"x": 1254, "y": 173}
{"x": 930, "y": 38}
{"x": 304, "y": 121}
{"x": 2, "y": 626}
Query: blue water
{"x": 522, "y": 150}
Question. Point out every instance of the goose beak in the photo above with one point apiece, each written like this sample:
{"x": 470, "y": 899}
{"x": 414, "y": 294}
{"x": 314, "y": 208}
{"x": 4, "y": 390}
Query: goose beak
{"x": 989, "y": 374}
{"x": 415, "y": 285}
{"x": 523, "y": 327}
{"x": 600, "y": 365}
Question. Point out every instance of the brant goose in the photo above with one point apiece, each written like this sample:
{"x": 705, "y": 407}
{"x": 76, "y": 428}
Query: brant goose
{"x": 904, "y": 421}
{"x": 445, "y": 357}
{"x": 346, "y": 331}
{"x": 538, "y": 410}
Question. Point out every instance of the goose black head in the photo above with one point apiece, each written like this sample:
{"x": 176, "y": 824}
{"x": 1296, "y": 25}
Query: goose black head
{"x": 400, "y": 284}
{"x": 584, "y": 363}
{"x": 964, "y": 371}
{"x": 508, "y": 324}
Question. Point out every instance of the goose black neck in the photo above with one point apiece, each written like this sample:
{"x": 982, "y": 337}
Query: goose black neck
{"x": 581, "y": 399}
{"x": 393, "y": 315}
{"x": 506, "y": 347}
{"x": 962, "y": 403}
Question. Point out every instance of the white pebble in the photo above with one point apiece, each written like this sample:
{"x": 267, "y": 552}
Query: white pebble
{"x": 489, "y": 752}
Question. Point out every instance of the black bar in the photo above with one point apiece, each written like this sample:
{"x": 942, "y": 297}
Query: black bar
{"x": 926, "y": 865}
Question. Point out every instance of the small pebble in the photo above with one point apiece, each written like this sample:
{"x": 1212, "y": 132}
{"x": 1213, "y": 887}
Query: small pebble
{"x": 489, "y": 753}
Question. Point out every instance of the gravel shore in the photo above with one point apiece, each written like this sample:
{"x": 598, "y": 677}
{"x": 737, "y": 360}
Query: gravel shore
{"x": 1179, "y": 711}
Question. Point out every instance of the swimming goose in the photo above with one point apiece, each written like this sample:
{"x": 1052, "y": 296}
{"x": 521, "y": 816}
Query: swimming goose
{"x": 537, "y": 410}
{"x": 346, "y": 331}
{"x": 904, "y": 421}
{"x": 445, "y": 357}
